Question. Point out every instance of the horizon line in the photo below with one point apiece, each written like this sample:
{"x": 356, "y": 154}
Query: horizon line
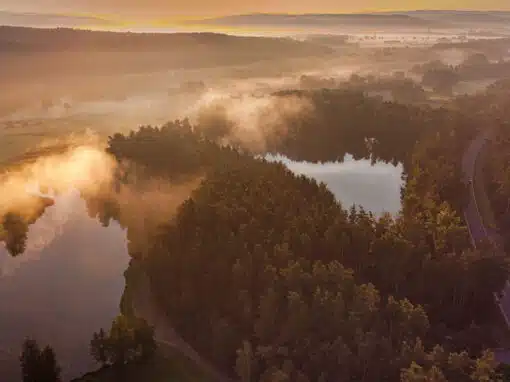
{"x": 106, "y": 16}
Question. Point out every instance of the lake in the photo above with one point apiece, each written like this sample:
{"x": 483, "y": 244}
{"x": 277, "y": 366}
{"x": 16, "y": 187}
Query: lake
{"x": 69, "y": 282}
{"x": 374, "y": 187}
{"x": 66, "y": 285}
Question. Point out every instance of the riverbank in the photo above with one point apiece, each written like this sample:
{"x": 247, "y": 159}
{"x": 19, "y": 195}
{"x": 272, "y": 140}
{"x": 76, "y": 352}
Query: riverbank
{"x": 138, "y": 300}
{"x": 169, "y": 364}
{"x": 163, "y": 368}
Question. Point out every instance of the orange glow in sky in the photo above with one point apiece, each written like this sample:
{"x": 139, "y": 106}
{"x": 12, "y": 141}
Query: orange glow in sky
{"x": 185, "y": 9}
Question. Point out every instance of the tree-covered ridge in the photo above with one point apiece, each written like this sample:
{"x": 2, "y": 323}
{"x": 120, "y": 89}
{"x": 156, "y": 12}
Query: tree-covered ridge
{"x": 174, "y": 151}
{"x": 401, "y": 88}
{"x": 73, "y": 40}
{"x": 442, "y": 77}
{"x": 342, "y": 121}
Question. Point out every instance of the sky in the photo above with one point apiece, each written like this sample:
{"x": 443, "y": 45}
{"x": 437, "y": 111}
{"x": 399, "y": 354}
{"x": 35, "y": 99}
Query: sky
{"x": 185, "y": 9}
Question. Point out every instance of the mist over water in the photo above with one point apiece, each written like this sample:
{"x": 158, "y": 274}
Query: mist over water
{"x": 84, "y": 168}
{"x": 255, "y": 94}
{"x": 66, "y": 285}
{"x": 69, "y": 281}
{"x": 70, "y": 277}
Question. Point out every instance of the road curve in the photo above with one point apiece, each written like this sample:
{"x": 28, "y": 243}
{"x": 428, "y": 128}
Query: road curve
{"x": 479, "y": 232}
{"x": 474, "y": 221}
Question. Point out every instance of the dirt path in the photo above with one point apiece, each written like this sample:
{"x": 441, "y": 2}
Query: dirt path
{"x": 144, "y": 307}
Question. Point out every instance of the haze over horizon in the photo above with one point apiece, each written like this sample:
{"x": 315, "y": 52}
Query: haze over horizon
{"x": 133, "y": 10}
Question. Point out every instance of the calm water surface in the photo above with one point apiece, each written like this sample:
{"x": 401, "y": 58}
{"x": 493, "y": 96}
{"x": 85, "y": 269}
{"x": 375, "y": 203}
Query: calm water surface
{"x": 67, "y": 285}
{"x": 375, "y": 187}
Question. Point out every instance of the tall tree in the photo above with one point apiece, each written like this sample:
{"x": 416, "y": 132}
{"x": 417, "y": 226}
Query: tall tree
{"x": 130, "y": 339}
{"x": 50, "y": 370}
{"x": 37, "y": 365}
{"x": 121, "y": 341}
{"x": 144, "y": 339}
{"x": 29, "y": 359}
{"x": 99, "y": 346}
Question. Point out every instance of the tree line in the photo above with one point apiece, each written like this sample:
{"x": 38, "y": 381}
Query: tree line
{"x": 402, "y": 89}
{"x": 130, "y": 340}
{"x": 269, "y": 277}
{"x": 442, "y": 77}
{"x": 342, "y": 122}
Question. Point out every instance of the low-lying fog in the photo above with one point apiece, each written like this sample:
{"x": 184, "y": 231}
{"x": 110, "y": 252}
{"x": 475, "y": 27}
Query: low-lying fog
{"x": 69, "y": 281}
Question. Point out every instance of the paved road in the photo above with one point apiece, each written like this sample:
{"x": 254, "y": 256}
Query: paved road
{"x": 480, "y": 233}
{"x": 477, "y": 230}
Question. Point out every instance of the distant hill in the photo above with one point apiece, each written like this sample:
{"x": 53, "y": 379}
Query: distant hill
{"x": 404, "y": 19}
{"x": 60, "y": 53}
{"x": 42, "y": 20}
{"x": 321, "y": 20}
{"x": 472, "y": 18}
{"x": 68, "y": 40}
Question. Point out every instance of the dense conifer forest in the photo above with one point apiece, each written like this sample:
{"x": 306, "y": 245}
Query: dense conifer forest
{"x": 270, "y": 278}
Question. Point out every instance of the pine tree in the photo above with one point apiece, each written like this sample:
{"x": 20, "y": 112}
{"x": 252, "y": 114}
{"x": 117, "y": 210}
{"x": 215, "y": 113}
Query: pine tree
{"x": 29, "y": 360}
{"x": 99, "y": 347}
{"x": 37, "y": 365}
{"x": 50, "y": 370}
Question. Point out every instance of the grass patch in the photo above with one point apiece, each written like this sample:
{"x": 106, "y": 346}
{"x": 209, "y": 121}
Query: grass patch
{"x": 170, "y": 367}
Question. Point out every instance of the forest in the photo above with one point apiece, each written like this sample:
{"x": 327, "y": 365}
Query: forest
{"x": 497, "y": 163}
{"x": 183, "y": 245}
{"x": 442, "y": 77}
{"x": 271, "y": 279}
{"x": 20, "y": 39}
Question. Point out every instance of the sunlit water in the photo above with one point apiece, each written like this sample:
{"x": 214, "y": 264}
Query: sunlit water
{"x": 66, "y": 285}
{"x": 374, "y": 187}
